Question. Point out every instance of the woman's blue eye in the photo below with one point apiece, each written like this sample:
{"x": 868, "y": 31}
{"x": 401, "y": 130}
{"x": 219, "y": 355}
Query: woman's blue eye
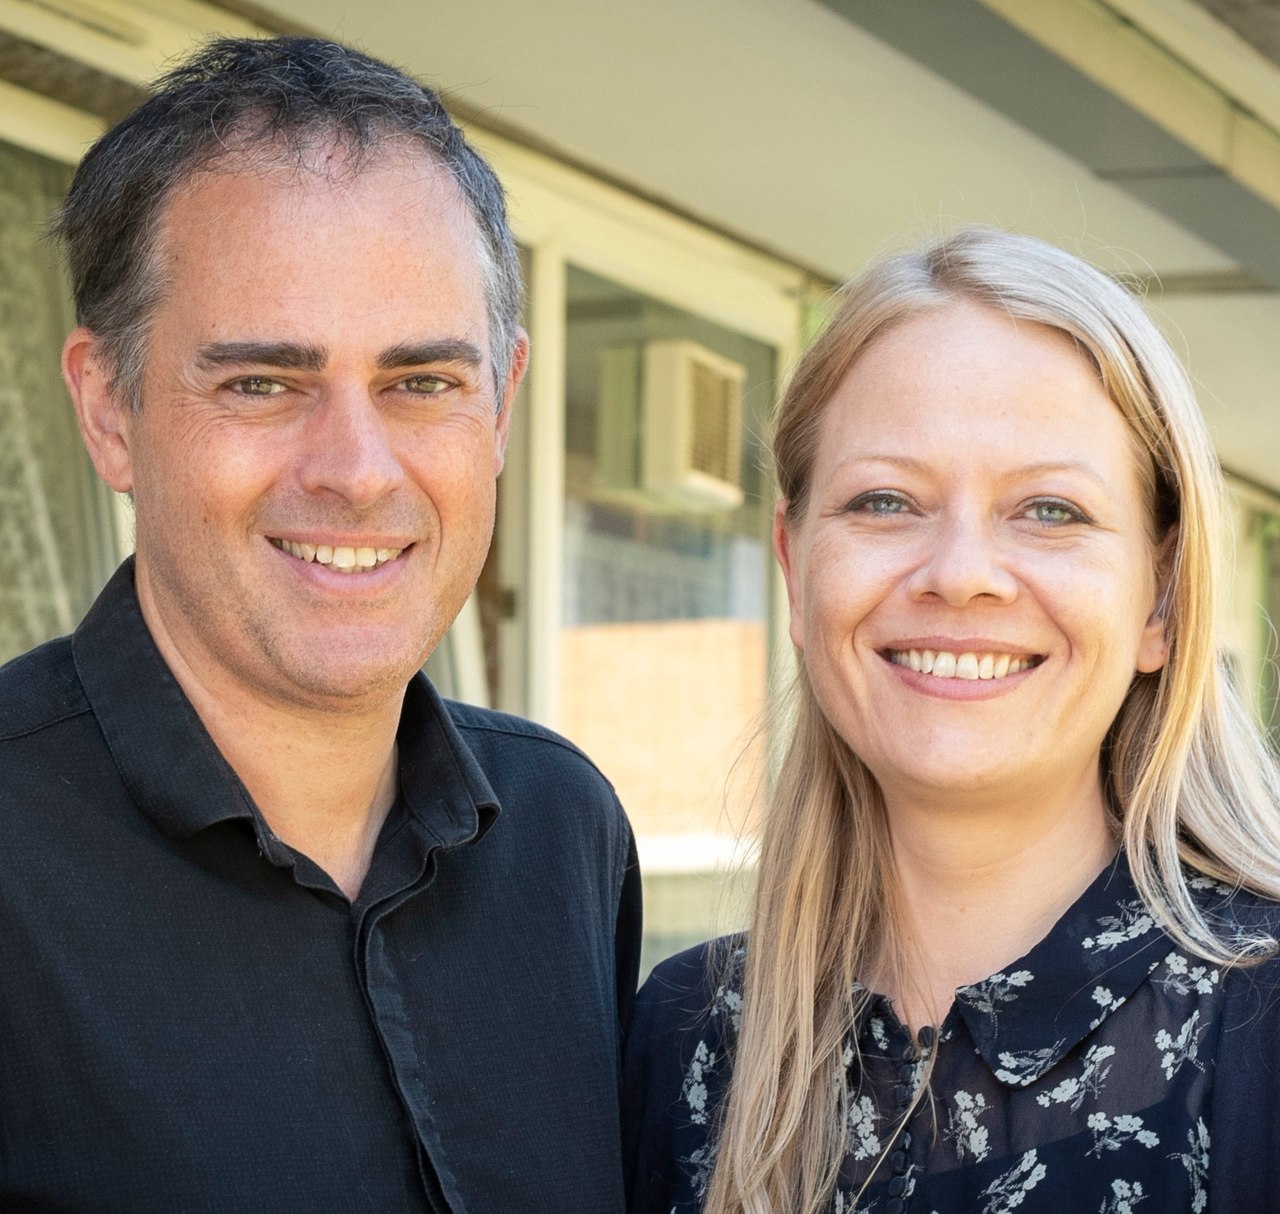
{"x": 1054, "y": 512}
{"x": 879, "y": 503}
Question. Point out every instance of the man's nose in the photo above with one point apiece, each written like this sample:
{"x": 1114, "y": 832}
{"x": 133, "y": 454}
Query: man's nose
{"x": 965, "y": 562}
{"x": 349, "y": 450}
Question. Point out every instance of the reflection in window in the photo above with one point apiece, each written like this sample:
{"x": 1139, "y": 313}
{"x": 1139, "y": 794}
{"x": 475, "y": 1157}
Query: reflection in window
{"x": 665, "y": 604}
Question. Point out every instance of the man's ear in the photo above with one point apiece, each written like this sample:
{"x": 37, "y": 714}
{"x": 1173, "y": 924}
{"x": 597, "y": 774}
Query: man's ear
{"x": 783, "y": 542}
{"x": 519, "y": 364}
{"x": 104, "y": 422}
{"x": 1153, "y": 646}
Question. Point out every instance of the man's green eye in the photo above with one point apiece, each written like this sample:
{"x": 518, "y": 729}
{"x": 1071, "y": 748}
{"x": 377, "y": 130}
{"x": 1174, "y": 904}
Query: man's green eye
{"x": 426, "y": 385}
{"x": 258, "y": 385}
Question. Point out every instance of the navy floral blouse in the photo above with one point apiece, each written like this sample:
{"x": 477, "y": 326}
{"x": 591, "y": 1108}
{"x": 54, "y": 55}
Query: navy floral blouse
{"x": 1106, "y": 1072}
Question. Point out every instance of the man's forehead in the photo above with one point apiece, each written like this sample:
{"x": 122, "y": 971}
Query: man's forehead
{"x": 402, "y": 197}
{"x": 286, "y": 253}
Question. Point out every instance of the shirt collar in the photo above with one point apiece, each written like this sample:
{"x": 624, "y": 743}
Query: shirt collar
{"x": 179, "y": 778}
{"x": 1027, "y": 1018}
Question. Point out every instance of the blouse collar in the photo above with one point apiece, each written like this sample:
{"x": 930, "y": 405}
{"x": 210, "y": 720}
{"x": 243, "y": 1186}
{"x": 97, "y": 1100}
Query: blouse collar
{"x": 1027, "y": 1018}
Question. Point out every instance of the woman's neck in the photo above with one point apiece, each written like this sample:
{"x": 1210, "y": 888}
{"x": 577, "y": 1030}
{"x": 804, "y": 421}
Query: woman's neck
{"x": 977, "y": 890}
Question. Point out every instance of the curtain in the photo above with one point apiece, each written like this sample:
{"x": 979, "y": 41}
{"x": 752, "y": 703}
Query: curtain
{"x": 56, "y": 538}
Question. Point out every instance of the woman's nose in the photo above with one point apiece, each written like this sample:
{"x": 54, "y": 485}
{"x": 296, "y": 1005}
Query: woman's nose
{"x": 964, "y": 563}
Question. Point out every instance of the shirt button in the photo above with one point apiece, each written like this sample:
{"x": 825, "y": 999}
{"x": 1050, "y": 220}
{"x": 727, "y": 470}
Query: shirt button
{"x": 897, "y": 1186}
{"x": 899, "y": 1161}
{"x": 926, "y": 1036}
{"x": 895, "y": 1205}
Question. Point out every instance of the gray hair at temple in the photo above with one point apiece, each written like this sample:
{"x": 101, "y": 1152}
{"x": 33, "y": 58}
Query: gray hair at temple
{"x": 280, "y": 97}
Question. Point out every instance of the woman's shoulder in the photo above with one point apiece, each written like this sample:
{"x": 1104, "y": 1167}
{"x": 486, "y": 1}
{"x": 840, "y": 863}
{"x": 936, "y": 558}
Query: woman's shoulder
{"x": 676, "y": 1069}
{"x": 687, "y": 983}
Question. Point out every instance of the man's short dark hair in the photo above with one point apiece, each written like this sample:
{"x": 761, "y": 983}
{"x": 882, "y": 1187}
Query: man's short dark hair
{"x": 234, "y": 98}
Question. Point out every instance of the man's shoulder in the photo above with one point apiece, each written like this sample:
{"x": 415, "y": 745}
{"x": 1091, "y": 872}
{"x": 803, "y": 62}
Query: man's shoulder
{"x": 39, "y": 689}
{"x": 504, "y": 742}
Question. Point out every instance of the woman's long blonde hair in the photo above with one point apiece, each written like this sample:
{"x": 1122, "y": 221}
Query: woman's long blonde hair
{"x": 1189, "y": 779}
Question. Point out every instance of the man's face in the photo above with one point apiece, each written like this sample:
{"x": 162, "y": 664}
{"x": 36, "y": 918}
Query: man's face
{"x": 313, "y": 465}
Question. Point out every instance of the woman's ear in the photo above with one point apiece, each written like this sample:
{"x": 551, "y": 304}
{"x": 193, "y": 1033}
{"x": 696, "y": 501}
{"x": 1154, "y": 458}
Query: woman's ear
{"x": 1153, "y": 646}
{"x": 104, "y": 422}
{"x": 784, "y": 550}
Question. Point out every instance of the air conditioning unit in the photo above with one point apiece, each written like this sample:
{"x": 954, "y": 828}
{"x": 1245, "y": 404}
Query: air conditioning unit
{"x": 670, "y": 426}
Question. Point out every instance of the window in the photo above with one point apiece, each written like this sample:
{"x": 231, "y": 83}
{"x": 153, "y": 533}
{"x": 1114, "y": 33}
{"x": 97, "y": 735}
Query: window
{"x": 56, "y": 542}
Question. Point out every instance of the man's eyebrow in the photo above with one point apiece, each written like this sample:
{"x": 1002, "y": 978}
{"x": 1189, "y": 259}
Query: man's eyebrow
{"x": 285, "y": 355}
{"x": 419, "y": 353}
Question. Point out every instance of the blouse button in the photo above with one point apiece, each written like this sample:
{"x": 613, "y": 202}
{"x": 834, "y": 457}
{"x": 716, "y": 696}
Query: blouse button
{"x": 899, "y": 1161}
{"x": 895, "y": 1205}
{"x": 897, "y": 1186}
{"x": 926, "y": 1036}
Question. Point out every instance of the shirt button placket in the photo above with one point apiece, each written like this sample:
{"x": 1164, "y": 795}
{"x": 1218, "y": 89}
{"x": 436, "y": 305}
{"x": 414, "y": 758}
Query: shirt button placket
{"x": 903, "y": 1090}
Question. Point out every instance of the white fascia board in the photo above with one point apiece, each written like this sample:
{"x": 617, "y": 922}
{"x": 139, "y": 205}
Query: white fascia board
{"x": 131, "y": 41}
{"x": 47, "y": 127}
{"x": 1218, "y": 96}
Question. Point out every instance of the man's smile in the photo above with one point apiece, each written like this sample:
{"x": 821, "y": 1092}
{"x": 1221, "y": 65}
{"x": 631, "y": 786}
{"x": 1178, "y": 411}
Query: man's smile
{"x": 342, "y": 558}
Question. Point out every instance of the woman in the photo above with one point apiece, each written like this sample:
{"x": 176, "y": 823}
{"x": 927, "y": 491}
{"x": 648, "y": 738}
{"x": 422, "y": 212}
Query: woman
{"x": 1013, "y": 936}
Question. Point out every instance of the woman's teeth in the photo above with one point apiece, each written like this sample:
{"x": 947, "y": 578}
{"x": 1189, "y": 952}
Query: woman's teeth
{"x": 945, "y": 665}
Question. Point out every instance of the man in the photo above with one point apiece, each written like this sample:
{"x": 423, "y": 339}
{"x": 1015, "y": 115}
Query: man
{"x": 279, "y": 929}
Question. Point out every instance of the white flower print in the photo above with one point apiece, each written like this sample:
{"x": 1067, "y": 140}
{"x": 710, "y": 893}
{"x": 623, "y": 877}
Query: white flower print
{"x": 1196, "y": 1161}
{"x": 728, "y": 1002}
{"x": 693, "y": 1091}
{"x": 1107, "y": 1003}
{"x": 1111, "y": 1133}
{"x": 1184, "y": 1047}
{"x": 963, "y": 1129}
{"x": 1009, "y": 1189}
{"x": 988, "y": 995}
{"x": 878, "y": 1035}
{"x": 1206, "y": 883}
{"x": 1181, "y": 977}
{"x": 862, "y": 1139}
{"x": 1024, "y": 1068}
{"x": 1089, "y": 1082}
{"x": 703, "y": 1162}
{"x": 1131, "y": 920}
{"x": 1125, "y": 1194}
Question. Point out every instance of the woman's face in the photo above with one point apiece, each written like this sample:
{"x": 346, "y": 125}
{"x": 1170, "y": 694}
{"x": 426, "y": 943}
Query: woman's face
{"x": 973, "y": 583}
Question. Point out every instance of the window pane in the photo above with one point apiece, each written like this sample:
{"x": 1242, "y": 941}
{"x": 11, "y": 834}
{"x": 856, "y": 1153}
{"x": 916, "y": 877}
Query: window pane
{"x": 665, "y": 619}
{"x": 55, "y": 546}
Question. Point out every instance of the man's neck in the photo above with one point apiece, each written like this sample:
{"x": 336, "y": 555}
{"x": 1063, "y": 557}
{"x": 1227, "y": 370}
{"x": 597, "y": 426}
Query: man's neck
{"x": 324, "y": 786}
{"x": 323, "y": 778}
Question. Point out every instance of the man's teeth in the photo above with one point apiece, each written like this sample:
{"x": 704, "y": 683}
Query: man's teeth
{"x": 944, "y": 665}
{"x": 342, "y": 559}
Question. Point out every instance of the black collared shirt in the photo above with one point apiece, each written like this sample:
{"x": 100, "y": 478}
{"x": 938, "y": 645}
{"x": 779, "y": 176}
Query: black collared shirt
{"x": 1106, "y": 1072}
{"x": 193, "y": 1017}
